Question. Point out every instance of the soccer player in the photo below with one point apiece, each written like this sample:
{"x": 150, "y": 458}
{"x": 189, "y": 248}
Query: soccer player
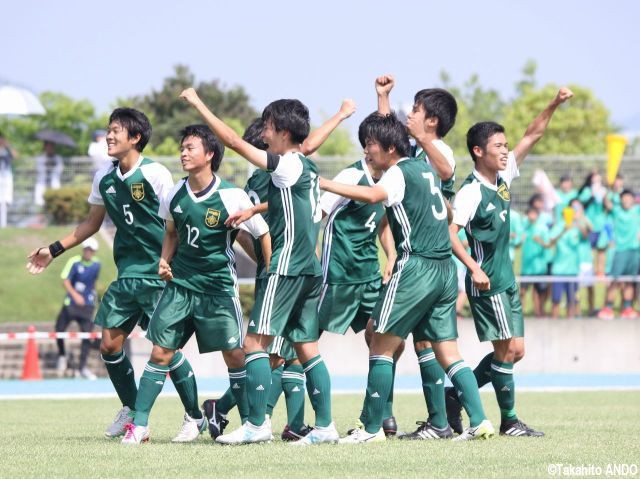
{"x": 421, "y": 296}
{"x": 351, "y": 281}
{"x": 289, "y": 305}
{"x": 482, "y": 208}
{"x": 79, "y": 278}
{"x": 287, "y": 374}
{"x": 129, "y": 190}
{"x": 431, "y": 118}
{"x": 198, "y": 262}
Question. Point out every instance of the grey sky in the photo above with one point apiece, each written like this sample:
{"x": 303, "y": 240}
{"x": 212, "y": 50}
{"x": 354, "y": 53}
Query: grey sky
{"x": 321, "y": 52}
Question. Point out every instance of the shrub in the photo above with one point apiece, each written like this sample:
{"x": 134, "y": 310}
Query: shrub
{"x": 67, "y": 205}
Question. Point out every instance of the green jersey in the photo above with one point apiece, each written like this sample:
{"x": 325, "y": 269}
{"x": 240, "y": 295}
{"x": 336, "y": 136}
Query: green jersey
{"x": 258, "y": 188}
{"x": 349, "y": 249}
{"x": 294, "y": 214}
{"x": 564, "y": 201}
{"x": 566, "y": 260}
{"x": 516, "y": 228}
{"x": 534, "y": 255}
{"x": 447, "y": 186}
{"x": 132, "y": 201}
{"x": 416, "y": 210}
{"x": 482, "y": 209}
{"x": 592, "y": 199}
{"x": 626, "y": 228}
{"x": 204, "y": 260}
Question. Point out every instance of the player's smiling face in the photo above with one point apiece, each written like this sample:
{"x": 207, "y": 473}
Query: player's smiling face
{"x": 496, "y": 153}
{"x": 275, "y": 139}
{"x": 376, "y": 156}
{"x": 192, "y": 154}
{"x": 118, "y": 141}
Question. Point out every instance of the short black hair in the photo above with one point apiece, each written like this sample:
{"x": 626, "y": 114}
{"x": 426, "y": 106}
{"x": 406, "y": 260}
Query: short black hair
{"x": 210, "y": 142}
{"x": 441, "y": 104}
{"x": 291, "y": 116}
{"x": 479, "y": 134}
{"x": 135, "y": 122}
{"x": 627, "y": 191}
{"x": 253, "y": 134}
{"x": 534, "y": 197}
{"x": 386, "y": 130}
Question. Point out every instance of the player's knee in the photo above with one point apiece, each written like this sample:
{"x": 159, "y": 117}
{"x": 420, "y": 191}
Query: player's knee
{"x": 109, "y": 347}
{"x": 399, "y": 351}
{"x": 275, "y": 361}
{"x": 518, "y": 354}
{"x": 234, "y": 358}
{"x": 161, "y": 356}
{"x": 420, "y": 345}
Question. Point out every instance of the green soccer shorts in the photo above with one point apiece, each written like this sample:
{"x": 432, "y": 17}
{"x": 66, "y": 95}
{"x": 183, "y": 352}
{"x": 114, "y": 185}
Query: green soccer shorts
{"x": 420, "y": 298}
{"x": 128, "y": 302}
{"x": 344, "y": 305}
{"x": 181, "y": 312}
{"x": 498, "y": 316}
{"x": 288, "y": 307}
{"x": 625, "y": 263}
{"x": 282, "y": 348}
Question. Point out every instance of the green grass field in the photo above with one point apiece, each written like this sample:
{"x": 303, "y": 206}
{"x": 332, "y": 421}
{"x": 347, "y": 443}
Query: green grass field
{"x": 64, "y": 439}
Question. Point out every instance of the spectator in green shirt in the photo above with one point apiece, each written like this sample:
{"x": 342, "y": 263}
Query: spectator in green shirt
{"x": 565, "y": 192}
{"x": 585, "y": 253}
{"x": 534, "y": 258}
{"x": 626, "y": 254}
{"x": 591, "y": 195}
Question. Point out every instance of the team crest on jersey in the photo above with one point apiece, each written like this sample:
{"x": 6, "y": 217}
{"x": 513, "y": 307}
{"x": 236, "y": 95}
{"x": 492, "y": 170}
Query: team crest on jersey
{"x": 503, "y": 192}
{"x": 212, "y": 217}
{"x": 137, "y": 191}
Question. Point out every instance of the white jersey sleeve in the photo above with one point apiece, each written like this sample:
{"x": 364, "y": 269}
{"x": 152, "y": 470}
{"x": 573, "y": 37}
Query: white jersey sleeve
{"x": 235, "y": 199}
{"x": 348, "y": 176}
{"x": 95, "y": 198}
{"x": 512, "y": 171}
{"x": 285, "y": 169}
{"x": 446, "y": 151}
{"x": 466, "y": 203}
{"x": 159, "y": 177}
{"x": 165, "y": 202}
{"x": 393, "y": 183}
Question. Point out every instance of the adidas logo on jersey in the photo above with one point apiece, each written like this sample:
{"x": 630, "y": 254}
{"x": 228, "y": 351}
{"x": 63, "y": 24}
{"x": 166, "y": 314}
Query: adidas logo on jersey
{"x": 439, "y": 381}
{"x": 505, "y": 389}
{"x": 130, "y": 371}
{"x": 190, "y": 374}
{"x": 260, "y": 388}
{"x": 491, "y": 207}
{"x": 231, "y": 340}
{"x": 235, "y": 386}
{"x": 111, "y": 190}
{"x": 160, "y": 382}
{"x": 177, "y": 209}
{"x": 315, "y": 391}
{"x": 296, "y": 389}
{"x": 251, "y": 323}
{"x": 375, "y": 395}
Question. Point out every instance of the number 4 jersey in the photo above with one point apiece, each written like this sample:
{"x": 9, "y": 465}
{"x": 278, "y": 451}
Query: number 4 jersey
{"x": 205, "y": 260}
{"x": 132, "y": 201}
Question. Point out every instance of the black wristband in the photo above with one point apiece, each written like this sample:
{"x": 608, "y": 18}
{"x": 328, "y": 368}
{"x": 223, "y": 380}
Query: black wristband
{"x": 56, "y": 249}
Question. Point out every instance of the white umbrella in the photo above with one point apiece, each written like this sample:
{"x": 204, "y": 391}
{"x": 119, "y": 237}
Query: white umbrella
{"x": 18, "y": 101}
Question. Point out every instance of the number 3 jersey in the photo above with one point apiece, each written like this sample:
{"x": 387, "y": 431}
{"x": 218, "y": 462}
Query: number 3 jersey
{"x": 132, "y": 201}
{"x": 349, "y": 249}
{"x": 204, "y": 260}
{"x": 416, "y": 210}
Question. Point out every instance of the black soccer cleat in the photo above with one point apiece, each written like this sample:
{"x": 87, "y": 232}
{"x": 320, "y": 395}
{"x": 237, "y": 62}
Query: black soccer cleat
{"x": 454, "y": 409}
{"x": 426, "y": 430}
{"x": 289, "y": 435}
{"x": 517, "y": 428}
{"x": 389, "y": 426}
{"x": 215, "y": 420}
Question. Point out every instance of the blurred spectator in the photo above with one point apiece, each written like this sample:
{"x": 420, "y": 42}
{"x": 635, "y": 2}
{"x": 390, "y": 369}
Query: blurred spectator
{"x": 626, "y": 255}
{"x": 565, "y": 236}
{"x": 534, "y": 258}
{"x": 7, "y": 154}
{"x": 565, "y": 193}
{"x": 516, "y": 227}
{"x": 546, "y": 220}
{"x": 79, "y": 278}
{"x": 585, "y": 254}
{"x": 49, "y": 167}
{"x": 591, "y": 195}
{"x": 98, "y": 150}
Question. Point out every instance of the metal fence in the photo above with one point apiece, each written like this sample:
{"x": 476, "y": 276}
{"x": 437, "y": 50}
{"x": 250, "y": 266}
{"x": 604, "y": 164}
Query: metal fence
{"x": 77, "y": 171}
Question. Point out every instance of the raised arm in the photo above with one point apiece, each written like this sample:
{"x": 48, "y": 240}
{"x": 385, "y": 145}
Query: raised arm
{"x": 169, "y": 246}
{"x": 41, "y": 257}
{"x": 318, "y": 136}
{"x": 366, "y": 194}
{"x": 384, "y": 85}
{"x": 424, "y": 131}
{"x": 226, "y": 134}
{"x": 538, "y": 126}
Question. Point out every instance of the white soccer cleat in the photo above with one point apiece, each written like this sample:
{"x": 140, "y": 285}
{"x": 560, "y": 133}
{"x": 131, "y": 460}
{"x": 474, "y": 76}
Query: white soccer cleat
{"x": 86, "y": 373}
{"x": 191, "y": 429}
{"x": 360, "y": 436}
{"x": 119, "y": 424}
{"x": 484, "y": 430}
{"x": 247, "y": 434}
{"x": 319, "y": 435}
{"x": 135, "y": 434}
